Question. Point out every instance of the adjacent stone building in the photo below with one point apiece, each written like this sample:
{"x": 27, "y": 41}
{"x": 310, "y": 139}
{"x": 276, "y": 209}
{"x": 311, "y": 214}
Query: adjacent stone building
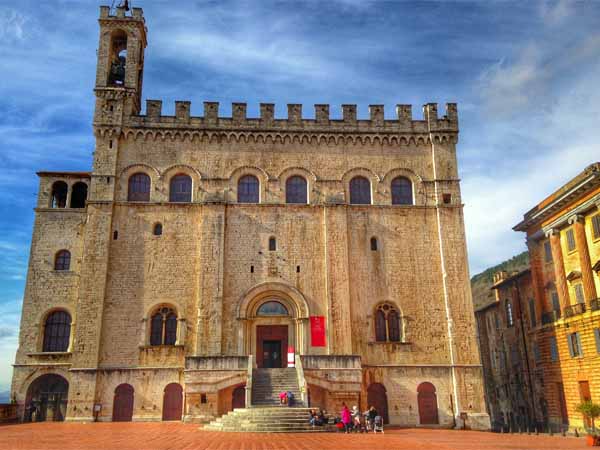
{"x": 200, "y": 248}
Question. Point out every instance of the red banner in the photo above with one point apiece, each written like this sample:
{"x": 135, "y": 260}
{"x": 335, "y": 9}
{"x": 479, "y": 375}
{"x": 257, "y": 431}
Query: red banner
{"x": 317, "y": 331}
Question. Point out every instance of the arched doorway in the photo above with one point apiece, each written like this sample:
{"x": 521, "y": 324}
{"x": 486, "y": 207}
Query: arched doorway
{"x": 123, "y": 403}
{"x": 46, "y": 399}
{"x": 172, "y": 402}
{"x": 377, "y": 397}
{"x": 427, "y": 399}
{"x": 238, "y": 397}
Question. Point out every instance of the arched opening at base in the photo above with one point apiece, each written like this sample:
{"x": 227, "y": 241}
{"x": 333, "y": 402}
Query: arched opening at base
{"x": 172, "y": 402}
{"x": 123, "y": 403}
{"x": 377, "y": 397}
{"x": 238, "y": 397}
{"x": 427, "y": 400}
{"x": 46, "y": 399}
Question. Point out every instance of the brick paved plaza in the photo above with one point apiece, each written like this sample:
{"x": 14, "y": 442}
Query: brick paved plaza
{"x": 155, "y": 436}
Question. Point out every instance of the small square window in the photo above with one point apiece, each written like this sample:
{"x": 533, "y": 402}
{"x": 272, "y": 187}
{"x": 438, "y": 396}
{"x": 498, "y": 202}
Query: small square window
{"x": 447, "y": 198}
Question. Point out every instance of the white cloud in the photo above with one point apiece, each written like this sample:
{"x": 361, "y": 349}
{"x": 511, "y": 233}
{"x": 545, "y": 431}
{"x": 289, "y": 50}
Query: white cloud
{"x": 554, "y": 13}
{"x": 11, "y": 25}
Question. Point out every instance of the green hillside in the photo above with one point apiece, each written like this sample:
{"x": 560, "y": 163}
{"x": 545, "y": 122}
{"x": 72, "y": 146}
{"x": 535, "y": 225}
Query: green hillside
{"x": 482, "y": 282}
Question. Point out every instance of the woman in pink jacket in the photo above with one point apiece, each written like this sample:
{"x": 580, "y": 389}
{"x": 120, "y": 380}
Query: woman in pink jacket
{"x": 346, "y": 417}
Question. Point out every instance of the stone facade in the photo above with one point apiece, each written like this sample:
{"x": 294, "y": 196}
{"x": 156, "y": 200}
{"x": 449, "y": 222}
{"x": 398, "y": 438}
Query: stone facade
{"x": 213, "y": 266}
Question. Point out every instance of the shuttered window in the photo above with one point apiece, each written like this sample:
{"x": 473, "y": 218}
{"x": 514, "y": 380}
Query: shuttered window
{"x": 579, "y": 293}
{"x": 553, "y": 348}
{"x": 532, "y": 312}
{"x": 597, "y": 336}
{"x": 555, "y": 301}
{"x": 570, "y": 240}
{"x": 574, "y": 342}
{"x": 596, "y": 226}
{"x": 547, "y": 252}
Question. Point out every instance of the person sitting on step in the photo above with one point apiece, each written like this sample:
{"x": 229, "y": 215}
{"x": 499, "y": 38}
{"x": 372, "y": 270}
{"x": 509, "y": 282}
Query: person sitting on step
{"x": 290, "y": 398}
{"x": 283, "y": 398}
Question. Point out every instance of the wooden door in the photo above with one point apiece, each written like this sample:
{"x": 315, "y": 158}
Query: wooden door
{"x": 377, "y": 397}
{"x": 427, "y": 400}
{"x": 265, "y": 333}
{"x": 562, "y": 404}
{"x": 172, "y": 402}
{"x": 123, "y": 403}
{"x": 238, "y": 397}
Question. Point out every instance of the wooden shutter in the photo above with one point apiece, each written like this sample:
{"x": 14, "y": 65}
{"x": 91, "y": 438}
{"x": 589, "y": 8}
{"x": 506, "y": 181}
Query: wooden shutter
{"x": 570, "y": 344}
{"x": 597, "y": 336}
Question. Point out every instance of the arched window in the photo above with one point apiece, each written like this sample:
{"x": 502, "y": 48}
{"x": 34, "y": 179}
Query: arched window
{"x": 59, "y": 194}
{"x": 139, "y": 188}
{"x": 360, "y": 191}
{"x": 157, "y": 230}
{"x": 388, "y": 327}
{"x": 163, "y": 327}
{"x": 57, "y": 331}
{"x": 118, "y": 58}
{"x": 402, "y": 193}
{"x": 295, "y": 190}
{"x": 272, "y": 308}
{"x": 509, "y": 314}
{"x": 374, "y": 246}
{"x": 248, "y": 189}
{"x": 62, "y": 260}
{"x": 180, "y": 189}
{"x": 79, "y": 195}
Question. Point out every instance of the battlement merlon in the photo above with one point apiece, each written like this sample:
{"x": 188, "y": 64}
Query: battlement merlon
{"x": 121, "y": 13}
{"x": 403, "y": 122}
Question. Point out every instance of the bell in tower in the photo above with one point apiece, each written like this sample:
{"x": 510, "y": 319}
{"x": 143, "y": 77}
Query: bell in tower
{"x": 118, "y": 58}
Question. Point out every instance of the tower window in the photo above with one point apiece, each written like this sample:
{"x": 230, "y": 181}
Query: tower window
{"x": 248, "y": 189}
{"x": 360, "y": 191}
{"x": 57, "y": 331}
{"x": 59, "y": 195}
{"x": 374, "y": 244}
{"x": 447, "y": 198}
{"x": 163, "y": 327}
{"x": 139, "y": 188}
{"x": 295, "y": 190}
{"x": 118, "y": 58}
{"x": 158, "y": 229}
{"x": 115, "y": 235}
{"x": 402, "y": 193}
{"x": 387, "y": 324}
{"x": 180, "y": 189}
{"x": 272, "y": 244}
{"x": 79, "y": 195}
{"x": 62, "y": 261}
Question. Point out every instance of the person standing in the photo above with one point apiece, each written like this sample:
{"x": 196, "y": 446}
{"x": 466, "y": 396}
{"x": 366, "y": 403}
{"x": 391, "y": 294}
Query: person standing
{"x": 346, "y": 418}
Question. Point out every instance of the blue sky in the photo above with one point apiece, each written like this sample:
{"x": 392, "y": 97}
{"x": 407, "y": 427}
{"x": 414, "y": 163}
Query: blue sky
{"x": 524, "y": 74}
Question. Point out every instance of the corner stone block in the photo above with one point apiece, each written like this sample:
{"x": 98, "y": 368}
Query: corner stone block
{"x": 294, "y": 113}
{"x": 376, "y": 114}
{"x": 154, "y": 108}
{"x": 267, "y": 112}
{"x": 211, "y": 112}
{"x": 182, "y": 111}
{"x": 404, "y": 113}
{"x": 238, "y": 112}
{"x": 322, "y": 113}
{"x": 349, "y": 113}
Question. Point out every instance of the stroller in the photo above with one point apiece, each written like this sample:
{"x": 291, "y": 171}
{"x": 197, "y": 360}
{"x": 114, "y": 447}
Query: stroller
{"x": 378, "y": 424}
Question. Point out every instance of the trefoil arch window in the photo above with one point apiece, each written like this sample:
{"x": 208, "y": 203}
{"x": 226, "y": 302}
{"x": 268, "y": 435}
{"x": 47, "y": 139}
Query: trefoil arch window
{"x": 59, "y": 194}
{"x": 139, "y": 188}
{"x": 296, "y": 190}
{"x": 57, "y": 332}
{"x": 163, "y": 327}
{"x": 180, "y": 189}
{"x": 402, "y": 191}
{"x": 272, "y": 308}
{"x": 360, "y": 191}
{"x": 62, "y": 260}
{"x": 248, "y": 189}
{"x": 388, "y": 327}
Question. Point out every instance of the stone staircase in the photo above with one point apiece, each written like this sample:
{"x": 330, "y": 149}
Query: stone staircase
{"x": 267, "y": 384}
{"x": 266, "y": 414}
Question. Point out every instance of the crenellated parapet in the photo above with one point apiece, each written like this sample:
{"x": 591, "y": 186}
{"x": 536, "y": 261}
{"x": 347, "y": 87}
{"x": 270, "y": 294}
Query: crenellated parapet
{"x": 403, "y": 123}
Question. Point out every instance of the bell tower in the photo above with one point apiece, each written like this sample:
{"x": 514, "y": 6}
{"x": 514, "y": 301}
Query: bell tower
{"x": 120, "y": 65}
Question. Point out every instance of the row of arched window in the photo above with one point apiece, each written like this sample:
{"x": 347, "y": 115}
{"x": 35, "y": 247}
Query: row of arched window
{"x": 60, "y": 191}
{"x": 248, "y": 189}
{"x": 57, "y": 329}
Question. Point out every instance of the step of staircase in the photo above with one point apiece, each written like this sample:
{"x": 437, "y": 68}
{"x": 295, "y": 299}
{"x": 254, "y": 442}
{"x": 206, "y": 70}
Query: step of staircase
{"x": 265, "y": 420}
{"x": 267, "y": 384}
